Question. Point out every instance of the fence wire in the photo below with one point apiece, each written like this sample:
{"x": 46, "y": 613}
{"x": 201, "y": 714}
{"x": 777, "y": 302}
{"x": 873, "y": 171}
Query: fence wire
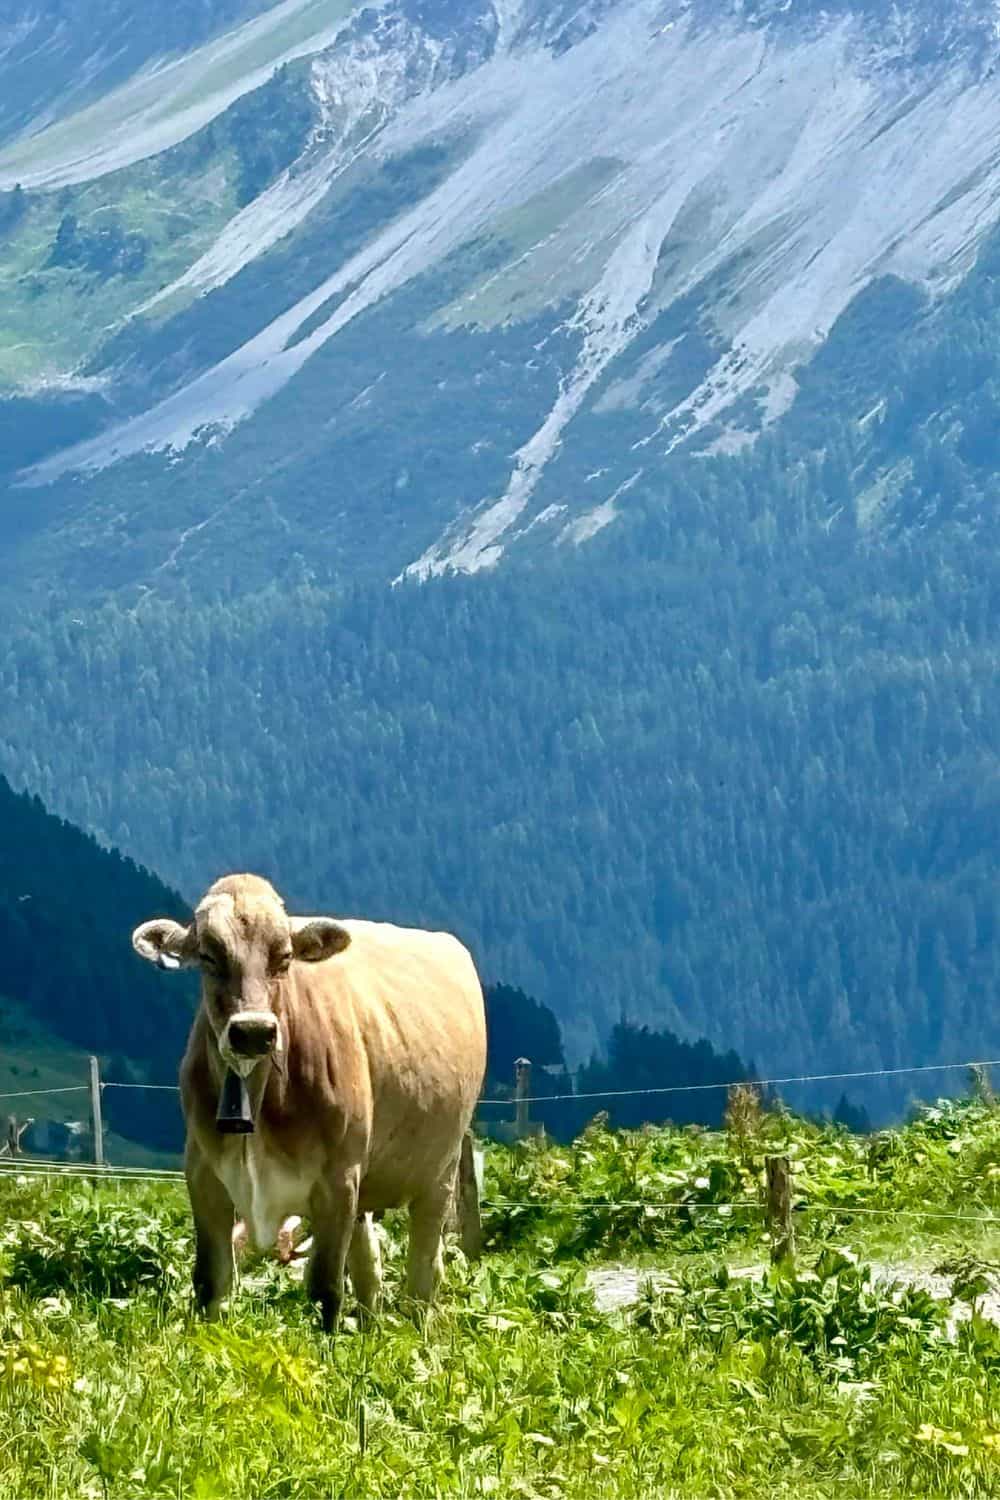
{"x": 72, "y": 1088}
{"x": 671, "y": 1088}
{"x": 36, "y": 1168}
{"x": 760, "y": 1083}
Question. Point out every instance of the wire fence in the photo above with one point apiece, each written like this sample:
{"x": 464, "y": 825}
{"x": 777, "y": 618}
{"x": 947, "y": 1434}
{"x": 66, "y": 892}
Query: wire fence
{"x": 782, "y": 1081}
{"x": 29, "y": 1168}
{"x": 73, "y": 1088}
{"x": 755, "y": 1205}
{"x": 516, "y": 1102}
{"x": 761, "y": 1083}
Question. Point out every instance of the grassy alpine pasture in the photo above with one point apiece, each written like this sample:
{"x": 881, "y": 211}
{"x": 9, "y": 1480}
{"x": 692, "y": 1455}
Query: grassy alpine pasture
{"x": 818, "y": 1381}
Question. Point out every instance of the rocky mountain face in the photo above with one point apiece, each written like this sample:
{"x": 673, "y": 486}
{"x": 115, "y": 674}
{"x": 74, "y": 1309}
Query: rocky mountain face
{"x": 416, "y": 287}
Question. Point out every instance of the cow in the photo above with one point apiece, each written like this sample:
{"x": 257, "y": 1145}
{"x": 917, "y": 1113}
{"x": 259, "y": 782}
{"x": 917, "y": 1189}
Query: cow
{"x": 363, "y": 1050}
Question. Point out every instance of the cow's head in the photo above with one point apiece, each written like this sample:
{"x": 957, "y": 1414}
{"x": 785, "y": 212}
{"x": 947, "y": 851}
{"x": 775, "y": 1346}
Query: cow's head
{"x": 244, "y": 942}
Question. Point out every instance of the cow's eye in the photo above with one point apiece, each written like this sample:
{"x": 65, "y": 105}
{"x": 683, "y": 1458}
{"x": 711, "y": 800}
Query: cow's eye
{"x": 280, "y": 963}
{"x": 212, "y": 962}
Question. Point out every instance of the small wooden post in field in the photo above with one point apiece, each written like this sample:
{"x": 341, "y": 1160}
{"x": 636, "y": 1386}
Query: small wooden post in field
{"x": 522, "y": 1092}
{"x": 467, "y": 1192}
{"x": 95, "y": 1111}
{"x": 779, "y": 1209}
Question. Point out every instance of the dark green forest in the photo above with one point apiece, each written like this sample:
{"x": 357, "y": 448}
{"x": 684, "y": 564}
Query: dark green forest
{"x": 728, "y": 773}
{"x": 67, "y": 910}
{"x": 641, "y": 1076}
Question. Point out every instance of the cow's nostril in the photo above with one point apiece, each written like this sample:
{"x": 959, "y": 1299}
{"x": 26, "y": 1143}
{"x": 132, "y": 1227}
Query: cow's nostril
{"x": 253, "y": 1036}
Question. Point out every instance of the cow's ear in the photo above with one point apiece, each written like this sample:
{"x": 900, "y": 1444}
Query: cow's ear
{"x": 166, "y": 944}
{"x": 316, "y": 938}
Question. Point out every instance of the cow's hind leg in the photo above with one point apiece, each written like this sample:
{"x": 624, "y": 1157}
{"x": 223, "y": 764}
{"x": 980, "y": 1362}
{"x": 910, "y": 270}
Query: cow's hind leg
{"x": 333, "y": 1210}
{"x": 364, "y": 1261}
{"x": 424, "y": 1261}
{"x": 214, "y": 1216}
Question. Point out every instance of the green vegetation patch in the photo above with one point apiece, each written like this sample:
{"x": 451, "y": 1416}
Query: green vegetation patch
{"x": 76, "y": 264}
{"x": 527, "y": 268}
{"x": 819, "y": 1380}
{"x": 31, "y": 1058}
{"x": 656, "y": 1189}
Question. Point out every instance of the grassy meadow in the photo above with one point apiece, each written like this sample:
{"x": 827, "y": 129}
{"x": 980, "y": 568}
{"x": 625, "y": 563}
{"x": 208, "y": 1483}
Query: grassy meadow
{"x": 821, "y": 1380}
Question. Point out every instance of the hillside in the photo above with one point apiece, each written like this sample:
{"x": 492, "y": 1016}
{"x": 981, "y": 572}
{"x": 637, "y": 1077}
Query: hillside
{"x": 69, "y": 982}
{"x": 650, "y": 350}
{"x": 737, "y": 787}
{"x": 67, "y": 66}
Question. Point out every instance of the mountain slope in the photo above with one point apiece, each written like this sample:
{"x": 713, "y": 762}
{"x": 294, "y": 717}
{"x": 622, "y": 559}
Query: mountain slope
{"x": 150, "y": 85}
{"x": 674, "y": 327}
{"x": 653, "y": 212}
{"x": 739, "y": 779}
{"x": 67, "y": 910}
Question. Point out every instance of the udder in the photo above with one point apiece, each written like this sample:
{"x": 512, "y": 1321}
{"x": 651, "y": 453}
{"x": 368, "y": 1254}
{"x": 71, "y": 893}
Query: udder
{"x": 290, "y": 1243}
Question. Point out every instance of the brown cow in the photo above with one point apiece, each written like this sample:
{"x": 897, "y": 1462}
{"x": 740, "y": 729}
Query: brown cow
{"x": 363, "y": 1047}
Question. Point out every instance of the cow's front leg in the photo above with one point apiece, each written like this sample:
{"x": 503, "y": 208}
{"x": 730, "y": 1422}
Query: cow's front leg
{"x": 333, "y": 1210}
{"x": 214, "y": 1216}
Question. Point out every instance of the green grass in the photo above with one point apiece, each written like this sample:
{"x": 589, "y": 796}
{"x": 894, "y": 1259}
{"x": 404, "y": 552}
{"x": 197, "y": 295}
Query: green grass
{"x": 806, "y": 1384}
{"x": 32, "y": 1059}
{"x": 534, "y": 273}
{"x": 54, "y": 317}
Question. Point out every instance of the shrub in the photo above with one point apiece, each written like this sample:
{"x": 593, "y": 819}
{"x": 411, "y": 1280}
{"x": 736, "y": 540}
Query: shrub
{"x": 835, "y": 1312}
{"x": 88, "y": 1247}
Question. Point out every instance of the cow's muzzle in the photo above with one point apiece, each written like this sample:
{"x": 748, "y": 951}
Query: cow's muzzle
{"x": 250, "y": 1035}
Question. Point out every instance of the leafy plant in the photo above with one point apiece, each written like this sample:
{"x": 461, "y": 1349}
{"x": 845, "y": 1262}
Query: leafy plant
{"x": 835, "y": 1311}
{"x": 972, "y": 1277}
{"x": 743, "y": 1118}
{"x": 87, "y": 1247}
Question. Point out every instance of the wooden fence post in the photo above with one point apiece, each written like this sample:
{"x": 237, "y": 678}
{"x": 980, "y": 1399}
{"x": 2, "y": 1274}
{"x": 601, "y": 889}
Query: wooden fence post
{"x": 469, "y": 1221}
{"x": 779, "y": 1209}
{"x": 97, "y": 1123}
{"x": 522, "y": 1092}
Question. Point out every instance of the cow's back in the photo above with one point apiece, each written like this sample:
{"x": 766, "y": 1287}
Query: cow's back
{"x": 401, "y": 1016}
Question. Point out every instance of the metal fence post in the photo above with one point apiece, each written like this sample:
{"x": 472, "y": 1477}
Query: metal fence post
{"x": 522, "y": 1091}
{"x": 95, "y": 1111}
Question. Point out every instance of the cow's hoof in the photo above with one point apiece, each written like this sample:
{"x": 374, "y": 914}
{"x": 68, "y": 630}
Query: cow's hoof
{"x": 417, "y": 1309}
{"x": 329, "y": 1311}
{"x": 208, "y": 1311}
{"x": 367, "y": 1317}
